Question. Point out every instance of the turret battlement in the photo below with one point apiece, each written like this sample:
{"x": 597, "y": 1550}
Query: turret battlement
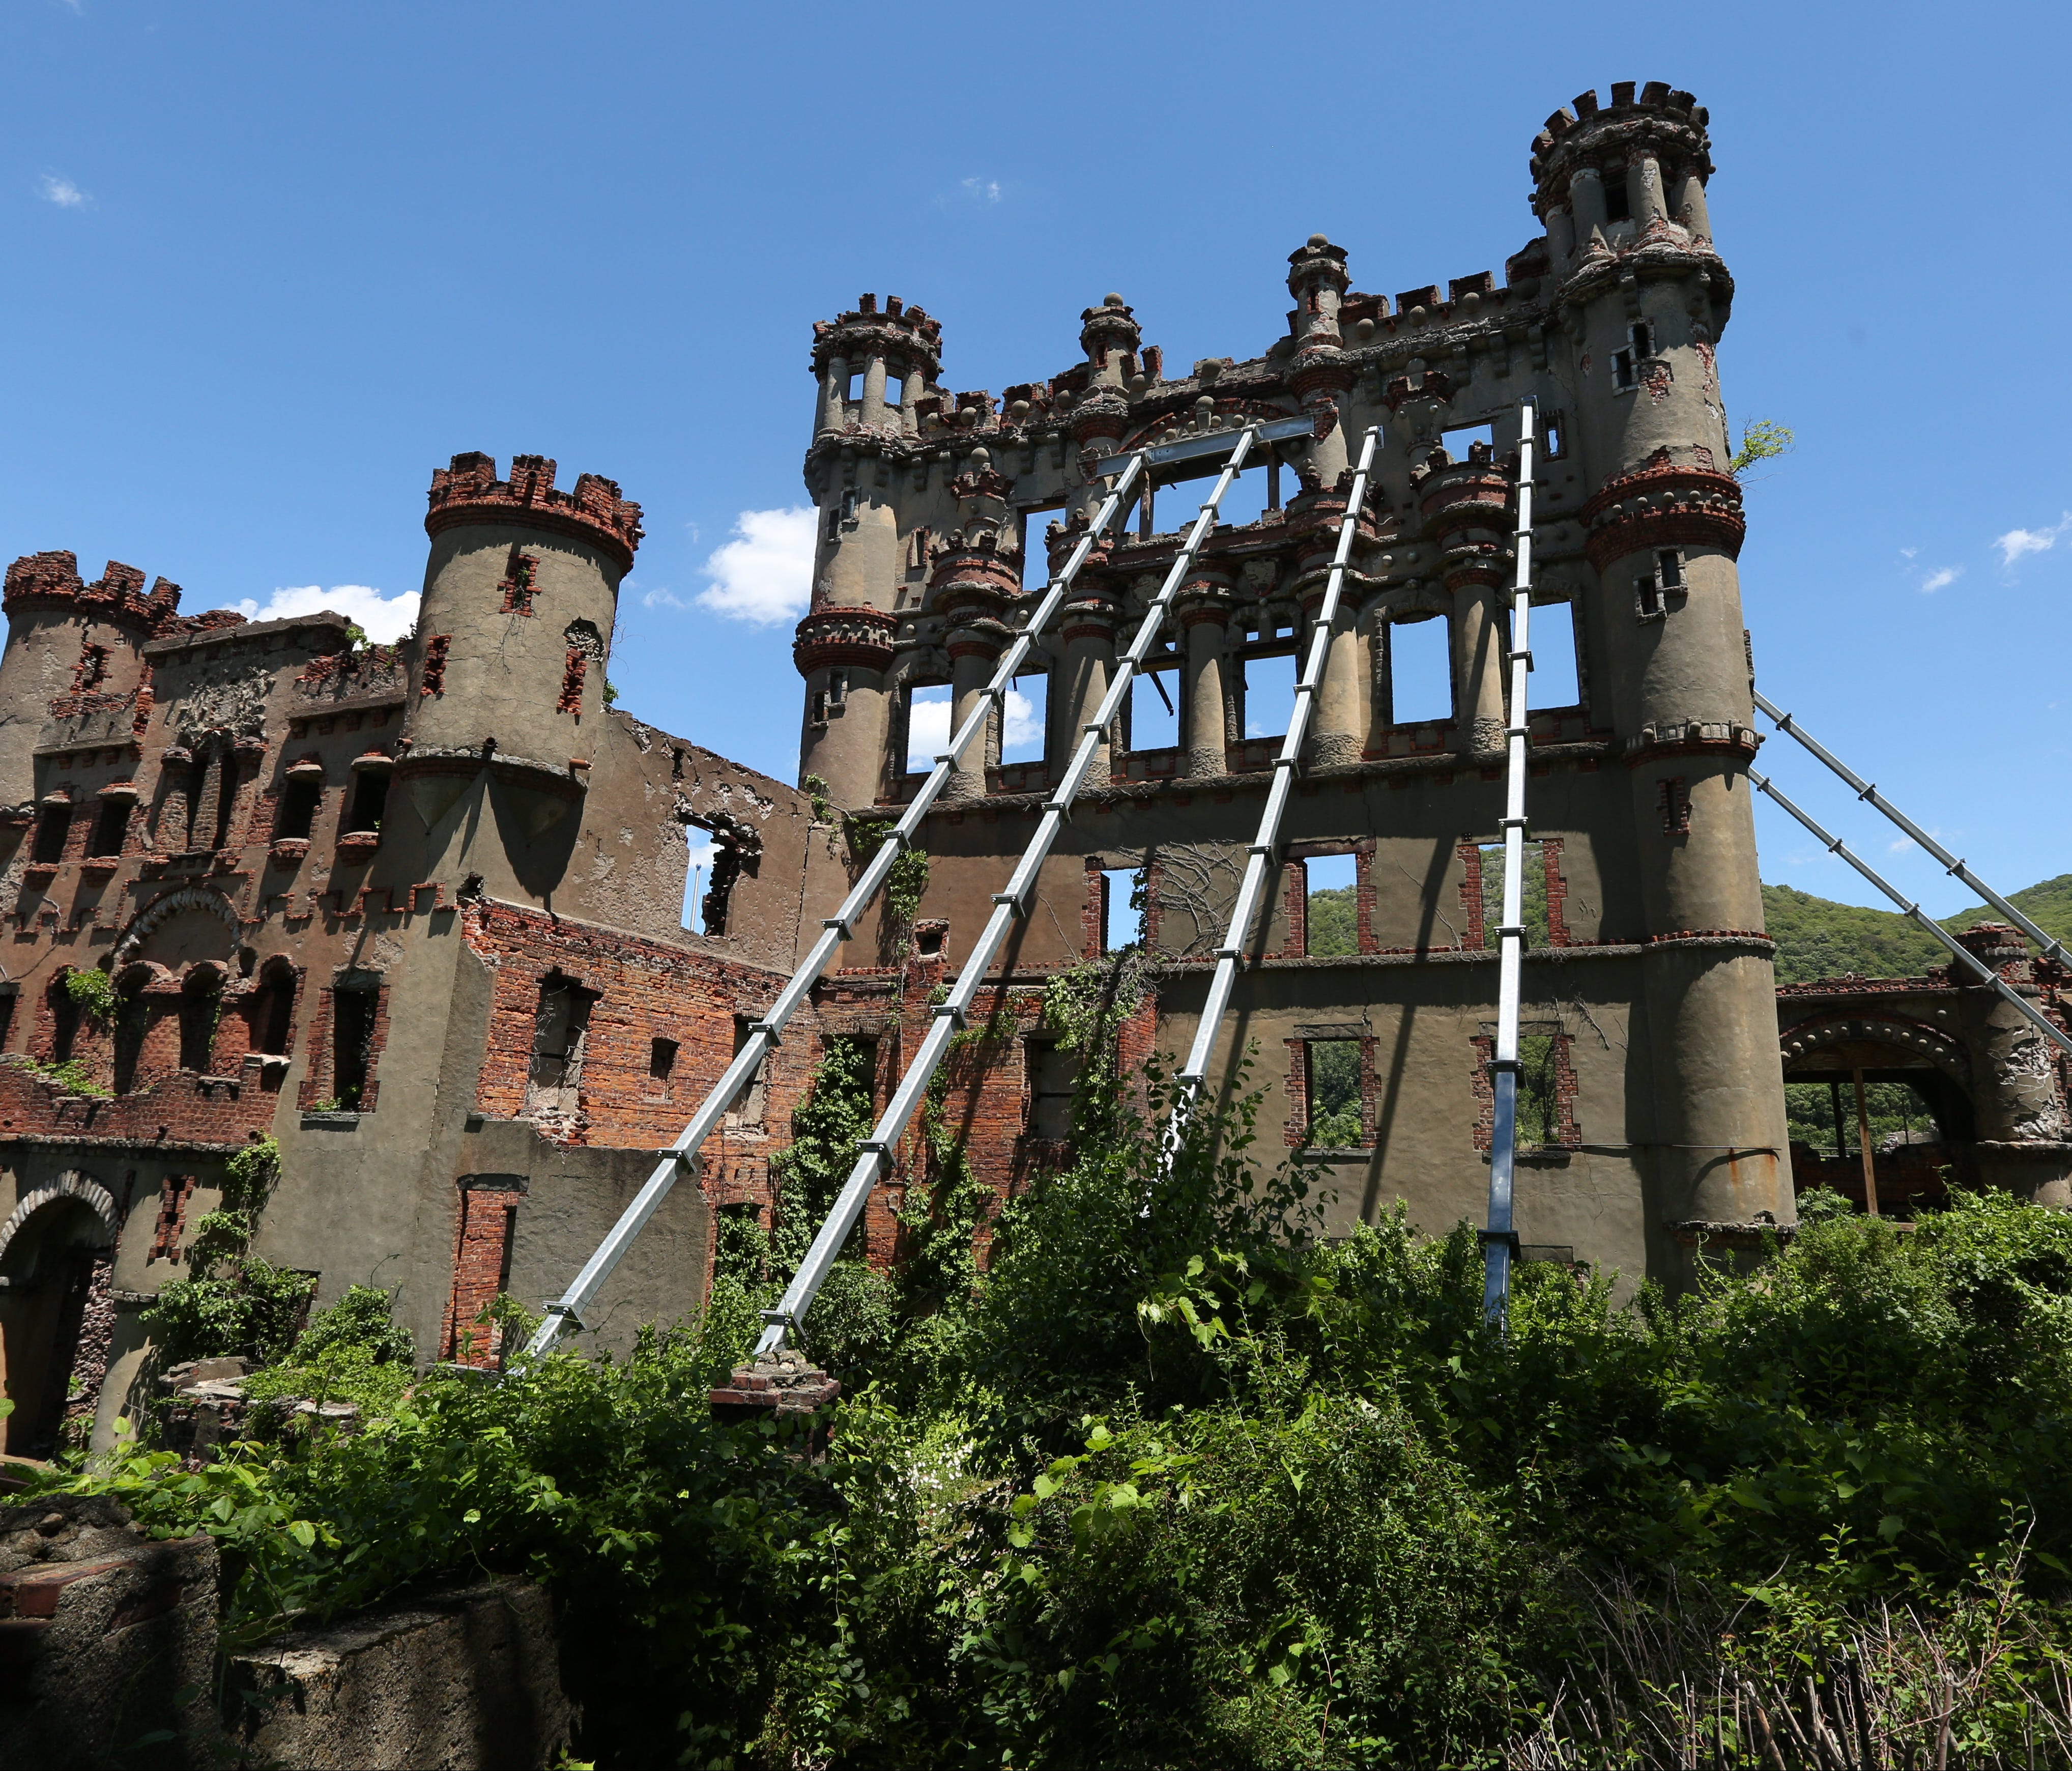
{"x": 1643, "y": 158}
{"x": 51, "y": 581}
{"x": 909, "y": 333}
{"x": 469, "y": 491}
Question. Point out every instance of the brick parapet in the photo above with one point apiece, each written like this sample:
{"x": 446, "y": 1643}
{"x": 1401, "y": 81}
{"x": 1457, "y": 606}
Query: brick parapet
{"x": 469, "y": 491}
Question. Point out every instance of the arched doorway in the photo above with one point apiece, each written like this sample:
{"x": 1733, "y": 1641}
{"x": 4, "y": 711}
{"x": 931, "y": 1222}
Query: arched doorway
{"x": 1906, "y": 1084}
{"x": 57, "y": 1318}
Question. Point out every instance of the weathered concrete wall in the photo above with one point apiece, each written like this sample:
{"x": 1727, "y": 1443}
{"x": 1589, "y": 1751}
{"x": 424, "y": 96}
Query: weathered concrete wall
{"x": 106, "y": 1638}
{"x": 462, "y": 1681}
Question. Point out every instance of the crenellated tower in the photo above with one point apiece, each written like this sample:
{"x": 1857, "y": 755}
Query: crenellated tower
{"x": 521, "y": 590}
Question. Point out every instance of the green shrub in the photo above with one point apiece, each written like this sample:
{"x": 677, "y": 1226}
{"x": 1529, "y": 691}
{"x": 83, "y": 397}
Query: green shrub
{"x": 252, "y": 1311}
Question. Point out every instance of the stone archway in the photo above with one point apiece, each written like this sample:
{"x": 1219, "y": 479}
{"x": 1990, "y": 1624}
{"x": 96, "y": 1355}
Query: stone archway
{"x": 1836, "y": 1049}
{"x": 57, "y": 1312}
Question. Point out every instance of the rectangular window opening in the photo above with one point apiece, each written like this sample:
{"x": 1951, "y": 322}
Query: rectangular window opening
{"x": 1457, "y": 442}
{"x": 1270, "y": 695}
{"x": 661, "y": 1059}
{"x": 352, "y": 1045}
{"x": 1622, "y": 375}
{"x": 1533, "y": 894}
{"x": 561, "y": 1031}
{"x": 51, "y": 827}
{"x": 1554, "y": 439}
{"x": 1249, "y": 498}
{"x": 1122, "y": 908}
{"x": 1669, "y": 569}
{"x": 1556, "y": 682}
{"x": 1028, "y": 710}
{"x": 748, "y": 1106}
{"x": 1331, "y": 893}
{"x": 855, "y": 390}
{"x": 1420, "y": 671}
{"x": 1641, "y": 335}
{"x": 1154, "y": 709}
{"x": 370, "y": 799}
{"x": 1053, "y": 1082}
{"x": 1035, "y": 547}
{"x": 299, "y": 800}
{"x": 1334, "y": 1093}
{"x": 1538, "y": 1097}
{"x": 927, "y": 725}
{"x": 1617, "y": 206}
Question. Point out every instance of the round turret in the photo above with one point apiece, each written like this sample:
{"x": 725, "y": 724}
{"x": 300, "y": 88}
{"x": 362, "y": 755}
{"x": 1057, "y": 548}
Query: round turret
{"x": 520, "y": 592}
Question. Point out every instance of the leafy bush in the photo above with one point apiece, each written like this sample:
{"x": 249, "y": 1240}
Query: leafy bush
{"x": 1177, "y": 1481}
{"x": 252, "y": 1311}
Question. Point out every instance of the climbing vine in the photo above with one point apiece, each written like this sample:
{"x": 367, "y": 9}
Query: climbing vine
{"x": 906, "y": 882}
{"x": 93, "y": 992}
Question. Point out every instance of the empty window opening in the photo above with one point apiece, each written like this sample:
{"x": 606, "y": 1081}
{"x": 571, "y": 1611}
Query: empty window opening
{"x": 133, "y": 1021}
{"x": 854, "y": 391}
{"x": 1532, "y": 892}
{"x": 226, "y": 799}
{"x": 1331, "y": 891}
{"x": 93, "y": 670}
{"x": 64, "y": 1018}
{"x": 1540, "y": 1116}
{"x": 928, "y": 938}
{"x": 1617, "y": 207}
{"x": 1054, "y": 1078}
{"x": 1251, "y": 495}
{"x": 927, "y": 725}
{"x": 1419, "y": 659}
{"x": 1334, "y": 1093}
{"x": 662, "y": 1059}
{"x": 109, "y": 825}
{"x": 51, "y": 826}
{"x": 1669, "y": 569}
{"x": 274, "y": 1022}
{"x": 715, "y": 908}
{"x": 895, "y": 390}
{"x": 519, "y": 585}
{"x": 696, "y": 876}
{"x": 561, "y": 1029}
{"x": 1021, "y": 736}
{"x": 1154, "y": 709}
{"x": 1623, "y": 378}
{"x": 1036, "y": 546}
{"x": 1270, "y": 695}
{"x": 352, "y": 1045}
{"x": 370, "y": 799}
{"x": 9, "y": 994}
{"x": 1457, "y": 443}
{"x": 1554, "y": 444}
{"x": 1555, "y": 680}
{"x": 750, "y": 1106}
{"x": 1822, "y": 1116}
{"x": 201, "y": 1007}
{"x": 299, "y": 801}
{"x": 1640, "y": 337}
{"x": 1123, "y": 901}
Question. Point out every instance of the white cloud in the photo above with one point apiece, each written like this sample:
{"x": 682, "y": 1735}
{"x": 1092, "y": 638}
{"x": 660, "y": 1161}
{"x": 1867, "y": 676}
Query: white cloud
{"x": 2017, "y": 542}
{"x": 1901, "y": 846}
{"x": 661, "y": 599}
{"x": 1908, "y": 553}
{"x": 763, "y": 575}
{"x": 928, "y": 728}
{"x": 1022, "y": 725}
{"x": 385, "y": 619}
{"x": 64, "y": 193}
{"x": 982, "y": 190}
{"x": 1941, "y": 578}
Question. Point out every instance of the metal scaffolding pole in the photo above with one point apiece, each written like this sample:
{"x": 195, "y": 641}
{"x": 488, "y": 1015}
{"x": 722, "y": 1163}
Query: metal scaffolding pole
{"x": 566, "y": 1311}
{"x": 1194, "y": 1073}
{"x": 1500, "y": 1239}
{"x": 1987, "y": 975}
{"x": 1009, "y": 906}
{"x": 2050, "y": 946}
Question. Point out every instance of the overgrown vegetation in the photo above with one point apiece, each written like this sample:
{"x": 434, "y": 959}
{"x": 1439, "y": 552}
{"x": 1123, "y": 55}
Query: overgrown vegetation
{"x": 1761, "y": 441}
{"x": 1177, "y": 1481}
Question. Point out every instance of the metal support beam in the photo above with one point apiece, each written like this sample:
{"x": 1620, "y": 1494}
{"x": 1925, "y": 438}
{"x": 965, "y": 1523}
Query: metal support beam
{"x": 1987, "y": 975}
{"x": 876, "y": 1150}
{"x": 2049, "y": 945}
{"x": 566, "y": 1311}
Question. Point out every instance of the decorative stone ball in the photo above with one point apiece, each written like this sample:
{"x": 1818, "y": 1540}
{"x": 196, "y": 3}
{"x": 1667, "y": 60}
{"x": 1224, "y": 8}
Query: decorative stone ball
{"x": 1317, "y": 240}
{"x": 1112, "y": 299}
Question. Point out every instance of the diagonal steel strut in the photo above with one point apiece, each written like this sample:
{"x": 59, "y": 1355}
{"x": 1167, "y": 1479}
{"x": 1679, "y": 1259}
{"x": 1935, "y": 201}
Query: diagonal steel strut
{"x": 1009, "y": 906}
{"x": 566, "y": 1311}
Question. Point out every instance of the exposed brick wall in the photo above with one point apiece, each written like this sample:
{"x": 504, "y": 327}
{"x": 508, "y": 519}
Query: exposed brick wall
{"x": 1672, "y": 799}
{"x": 173, "y": 1196}
{"x": 482, "y": 1253}
{"x": 319, "y": 1075}
{"x": 1471, "y": 895}
{"x": 1557, "y": 894}
{"x": 1567, "y": 1133}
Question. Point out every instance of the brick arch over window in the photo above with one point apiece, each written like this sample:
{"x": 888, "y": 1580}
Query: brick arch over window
{"x": 163, "y": 910}
{"x": 71, "y": 1185}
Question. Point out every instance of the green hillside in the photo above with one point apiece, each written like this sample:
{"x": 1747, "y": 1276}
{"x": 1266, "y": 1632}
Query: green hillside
{"x": 1815, "y": 937}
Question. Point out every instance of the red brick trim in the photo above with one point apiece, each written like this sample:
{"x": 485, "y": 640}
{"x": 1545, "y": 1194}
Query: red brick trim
{"x": 1569, "y": 1134}
{"x": 1557, "y": 894}
{"x": 482, "y": 1253}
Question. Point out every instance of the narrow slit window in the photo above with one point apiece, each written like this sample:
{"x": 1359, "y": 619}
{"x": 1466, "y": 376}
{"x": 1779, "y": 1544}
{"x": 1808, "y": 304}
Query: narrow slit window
{"x": 927, "y": 725}
{"x": 226, "y": 800}
{"x": 370, "y": 799}
{"x": 697, "y": 876}
{"x": 1421, "y": 672}
{"x": 1028, "y": 709}
{"x": 749, "y": 1106}
{"x": 1617, "y": 207}
{"x": 1331, "y": 891}
{"x": 1334, "y": 1093}
{"x": 1641, "y": 335}
{"x": 1270, "y": 695}
{"x": 1533, "y": 894}
{"x": 1154, "y": 709}
{"x": 1622, "y": 373}
{"x": 201, "y": 1003}
{"x": 661, "y": 1059}
{"x": 1555, "y": 680}
{"x": 1538, "y": 1093}
{"x": 1122, "y": 908}
{"x": 1669, "y": 569}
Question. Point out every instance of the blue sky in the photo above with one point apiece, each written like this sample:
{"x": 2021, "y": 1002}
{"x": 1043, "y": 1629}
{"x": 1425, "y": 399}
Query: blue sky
{"x": 269, "y": 265}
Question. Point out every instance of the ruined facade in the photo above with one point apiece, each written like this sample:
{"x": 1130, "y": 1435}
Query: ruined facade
{"x": 414, "y": 910}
